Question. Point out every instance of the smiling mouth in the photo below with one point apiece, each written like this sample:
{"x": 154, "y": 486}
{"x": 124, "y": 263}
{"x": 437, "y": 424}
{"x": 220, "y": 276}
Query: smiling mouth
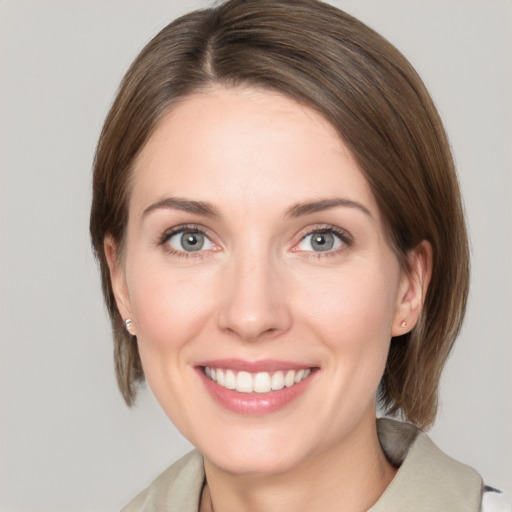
{"x": 260, "y": 382}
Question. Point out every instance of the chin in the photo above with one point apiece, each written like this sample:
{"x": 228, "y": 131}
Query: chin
{"x": 249, "y": 452}
{"x": 262, "y": 463}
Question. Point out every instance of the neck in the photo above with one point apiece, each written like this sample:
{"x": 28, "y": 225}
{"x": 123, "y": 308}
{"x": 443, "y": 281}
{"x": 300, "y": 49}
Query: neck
{"x": 350, "y": 476}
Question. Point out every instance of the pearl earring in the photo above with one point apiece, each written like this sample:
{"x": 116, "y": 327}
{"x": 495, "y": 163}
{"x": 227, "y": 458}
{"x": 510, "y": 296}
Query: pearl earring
{"x": 128, "y": 324}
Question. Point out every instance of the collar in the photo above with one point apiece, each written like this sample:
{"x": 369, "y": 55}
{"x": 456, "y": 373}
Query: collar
{"x": 427, "y": 480}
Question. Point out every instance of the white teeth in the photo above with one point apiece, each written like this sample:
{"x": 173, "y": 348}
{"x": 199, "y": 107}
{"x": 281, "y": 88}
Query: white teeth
{"x": 277, "y": 381}
{"x": 230, "y": 381}
{"x": 261, "y": 382}
{"x": 289, "y": 380}
{"x": 244, "y": 382}
{"x": 299, "y": 375}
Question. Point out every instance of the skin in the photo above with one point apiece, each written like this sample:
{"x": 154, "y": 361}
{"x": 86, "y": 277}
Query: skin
{"x": 260, "y": 290}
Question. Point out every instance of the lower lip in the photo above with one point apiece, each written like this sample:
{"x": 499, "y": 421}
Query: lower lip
{"x": 254, "y": 404}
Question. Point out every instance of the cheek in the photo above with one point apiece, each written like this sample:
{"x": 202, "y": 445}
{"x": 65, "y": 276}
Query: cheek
{"x": 351, "y": 306}
{"x": 354, "y": 316}
{"x": 169, "y": 307}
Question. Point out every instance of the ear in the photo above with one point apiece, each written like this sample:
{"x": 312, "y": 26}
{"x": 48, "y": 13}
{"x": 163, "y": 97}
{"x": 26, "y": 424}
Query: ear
{"x": 117, "y": 277}
{"x": 412, "y": 289}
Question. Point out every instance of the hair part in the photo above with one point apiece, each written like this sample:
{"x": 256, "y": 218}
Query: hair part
{"x": 329, "y": 61}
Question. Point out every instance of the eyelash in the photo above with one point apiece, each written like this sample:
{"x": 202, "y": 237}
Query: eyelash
{"x": 189, "y": 228}
{"x": 344, "y": 236}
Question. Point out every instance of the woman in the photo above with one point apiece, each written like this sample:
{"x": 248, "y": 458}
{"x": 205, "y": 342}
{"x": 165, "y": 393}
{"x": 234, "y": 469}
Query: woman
{"x": 280, "y": 234}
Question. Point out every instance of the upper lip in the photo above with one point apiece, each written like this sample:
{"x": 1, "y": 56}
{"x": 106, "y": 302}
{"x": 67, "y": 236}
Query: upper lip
{"x": 263, "y": 365}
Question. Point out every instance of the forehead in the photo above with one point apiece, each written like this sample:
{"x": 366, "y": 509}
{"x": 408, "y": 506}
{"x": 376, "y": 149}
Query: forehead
{"x": 245, "y": 146}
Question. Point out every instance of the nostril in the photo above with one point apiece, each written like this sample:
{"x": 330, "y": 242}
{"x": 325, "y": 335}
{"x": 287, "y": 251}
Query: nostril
{"x": 253, "y": 303}
{"x": 251, "y": 329}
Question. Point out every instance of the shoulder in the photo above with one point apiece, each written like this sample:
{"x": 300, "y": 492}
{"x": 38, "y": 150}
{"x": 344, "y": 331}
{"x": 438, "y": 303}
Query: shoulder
{"x": 427, "y": 479}
{"x": 494, "y": 500}
{"x": 177, "y": 488}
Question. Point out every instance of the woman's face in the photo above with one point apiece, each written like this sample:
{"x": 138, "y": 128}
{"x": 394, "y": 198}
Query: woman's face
{"x": 255, "y": 251}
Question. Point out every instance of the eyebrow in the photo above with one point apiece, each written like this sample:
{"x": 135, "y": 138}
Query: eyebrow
{"x": 300, "y": 209}
{"x": 296, "y": 210}
{"x": 186, "y": 205}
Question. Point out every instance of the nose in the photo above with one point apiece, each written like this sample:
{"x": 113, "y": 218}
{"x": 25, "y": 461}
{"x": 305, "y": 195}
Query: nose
{"x": 253, "y": 299}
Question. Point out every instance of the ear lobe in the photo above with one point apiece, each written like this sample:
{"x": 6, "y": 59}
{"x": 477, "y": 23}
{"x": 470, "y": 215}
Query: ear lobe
{"x": 413, "y": 288}
{"x": 117, "y": 277}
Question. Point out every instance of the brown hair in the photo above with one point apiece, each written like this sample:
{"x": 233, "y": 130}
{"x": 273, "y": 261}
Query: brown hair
{"x": 326, "y": 59}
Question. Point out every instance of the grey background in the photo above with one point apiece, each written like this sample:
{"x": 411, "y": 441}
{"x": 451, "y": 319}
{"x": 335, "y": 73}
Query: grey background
{"x": 67, "y": 441}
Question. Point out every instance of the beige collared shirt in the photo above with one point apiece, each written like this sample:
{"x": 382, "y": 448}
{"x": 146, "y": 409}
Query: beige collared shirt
{"x": 427, "y": 480}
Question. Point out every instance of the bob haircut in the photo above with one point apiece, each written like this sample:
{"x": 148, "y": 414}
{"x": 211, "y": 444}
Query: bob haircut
{"x": 325, "y": 59}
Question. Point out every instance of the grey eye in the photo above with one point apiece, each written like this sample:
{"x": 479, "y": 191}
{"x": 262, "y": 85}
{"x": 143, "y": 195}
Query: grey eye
{"x": 190, "y": 241}
{"x": 320, "y": 241}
